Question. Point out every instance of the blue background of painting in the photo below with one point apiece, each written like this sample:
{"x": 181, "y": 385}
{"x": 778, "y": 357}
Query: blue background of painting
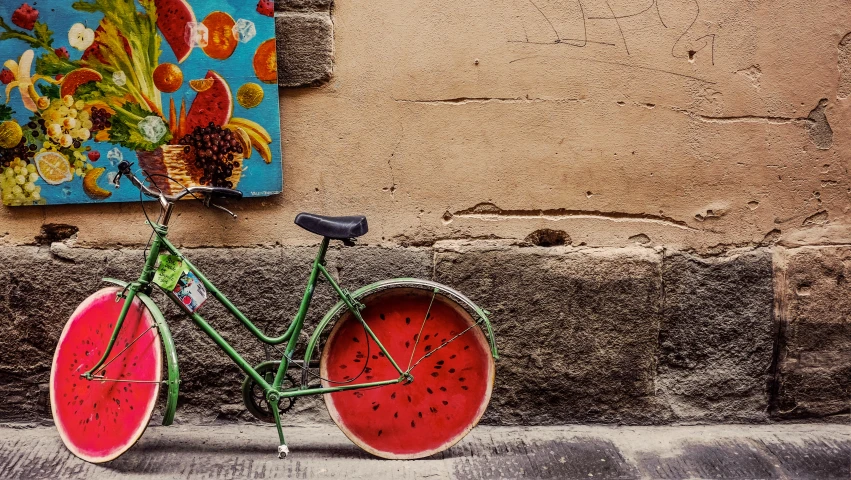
{"x": 258, "y": 178}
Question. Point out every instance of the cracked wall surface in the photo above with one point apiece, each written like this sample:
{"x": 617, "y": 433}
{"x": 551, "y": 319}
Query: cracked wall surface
{"x": 662, "y": 189}
{"x": 613, "y": 114}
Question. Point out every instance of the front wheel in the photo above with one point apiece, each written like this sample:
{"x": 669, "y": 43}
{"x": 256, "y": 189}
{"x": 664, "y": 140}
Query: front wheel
{"x": 100, "y": 419}
{"x": 438, "y": 341}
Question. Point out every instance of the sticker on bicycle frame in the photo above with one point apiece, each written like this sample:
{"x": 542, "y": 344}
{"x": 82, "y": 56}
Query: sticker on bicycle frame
{"x": 168, "y": 272}
{"x": 190, "y": 291}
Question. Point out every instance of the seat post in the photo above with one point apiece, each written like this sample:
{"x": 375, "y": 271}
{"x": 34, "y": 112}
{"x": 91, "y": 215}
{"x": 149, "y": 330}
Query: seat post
{"x": 323, "y": 248}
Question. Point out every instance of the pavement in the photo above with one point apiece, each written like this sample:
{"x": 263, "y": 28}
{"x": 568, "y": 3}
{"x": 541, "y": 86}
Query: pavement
{"x": 787, "y": 451}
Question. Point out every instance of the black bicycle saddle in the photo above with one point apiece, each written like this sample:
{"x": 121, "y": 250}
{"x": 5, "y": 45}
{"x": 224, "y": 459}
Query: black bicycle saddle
{"x": 333, "y": 227}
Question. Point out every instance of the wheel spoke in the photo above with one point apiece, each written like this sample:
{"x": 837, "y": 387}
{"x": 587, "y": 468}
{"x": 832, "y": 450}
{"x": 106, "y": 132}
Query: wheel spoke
{"x": 417, "y": 340}
{"x": 445, "y": 344}
{"x": 101, "y": 379}
{"x": 98, "y": 418}
{"x": 449, "y": 393}
{"x": 103, "y": 367}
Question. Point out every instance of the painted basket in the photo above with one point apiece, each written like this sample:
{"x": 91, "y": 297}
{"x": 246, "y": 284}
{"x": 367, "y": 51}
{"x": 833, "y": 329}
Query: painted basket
{"x": 173, "y": 161}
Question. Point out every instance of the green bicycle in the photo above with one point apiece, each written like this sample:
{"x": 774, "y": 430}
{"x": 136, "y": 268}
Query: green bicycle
{"x": 406, "y": 371}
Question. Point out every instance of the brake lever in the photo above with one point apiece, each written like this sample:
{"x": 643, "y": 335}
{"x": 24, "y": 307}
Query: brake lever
{"x": 223, "y": 209}
{"x": 123, "y": 167}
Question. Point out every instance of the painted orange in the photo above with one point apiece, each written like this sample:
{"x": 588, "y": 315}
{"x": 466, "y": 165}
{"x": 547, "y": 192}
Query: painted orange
{"x": 222, "y": 43}
{"x": 266, "y": 62}
{"x": 168, "y": 77}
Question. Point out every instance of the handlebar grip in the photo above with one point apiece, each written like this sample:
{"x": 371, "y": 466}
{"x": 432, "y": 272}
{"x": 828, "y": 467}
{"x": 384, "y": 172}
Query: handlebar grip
{"x": 124, "y": 167}
{"x": 226, "y": 192}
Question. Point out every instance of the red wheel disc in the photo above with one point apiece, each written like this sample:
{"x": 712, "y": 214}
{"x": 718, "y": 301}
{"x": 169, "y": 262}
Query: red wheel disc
{"x": 451, "y": 387}
{"x": 100, "y": 419}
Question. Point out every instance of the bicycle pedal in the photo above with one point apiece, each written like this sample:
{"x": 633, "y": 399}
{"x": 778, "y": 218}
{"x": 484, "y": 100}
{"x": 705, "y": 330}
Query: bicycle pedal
{"x": 283, "y": 451}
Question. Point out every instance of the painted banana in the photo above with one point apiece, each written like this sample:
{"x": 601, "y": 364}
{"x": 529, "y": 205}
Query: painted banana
{"x": 244, "y": 139}
{"x": 260, "y": 144}
{"x": 258, "y": 137}
{"x": 24, "y": 81}
{"x": 249, "y": 125}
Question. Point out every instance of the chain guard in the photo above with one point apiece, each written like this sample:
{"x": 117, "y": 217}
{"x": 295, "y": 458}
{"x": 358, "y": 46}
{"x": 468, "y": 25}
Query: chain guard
{"x": 254, "y": 397}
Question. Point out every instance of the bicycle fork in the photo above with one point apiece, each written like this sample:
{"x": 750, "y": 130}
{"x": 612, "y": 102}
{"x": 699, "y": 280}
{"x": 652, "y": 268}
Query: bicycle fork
{"x": 128, "y": 294}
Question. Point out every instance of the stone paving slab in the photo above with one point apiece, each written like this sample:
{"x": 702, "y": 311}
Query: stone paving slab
{"x": 801, "y": 451}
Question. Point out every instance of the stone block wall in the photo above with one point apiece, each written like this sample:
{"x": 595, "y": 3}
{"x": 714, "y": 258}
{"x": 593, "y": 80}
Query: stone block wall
{"x": 813, "y": 371}
{"x": 716, "y": 336}
{"x": 305, "y": 40}
{"x": 586, "y": 335}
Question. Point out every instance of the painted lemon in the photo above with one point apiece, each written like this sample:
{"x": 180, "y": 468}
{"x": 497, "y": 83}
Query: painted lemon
{"x": 10, "y": 134}
{"x": 249, "y": 95}
{"x": 201, "y": 84}
{"x": 91, "y": 187}
{"x": 53, "y": 167}
{"x": 167, "y": 77}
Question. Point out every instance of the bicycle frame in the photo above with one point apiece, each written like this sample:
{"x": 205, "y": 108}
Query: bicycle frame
{"x": 141, "y": 289}
{"x": 143, "y": 286}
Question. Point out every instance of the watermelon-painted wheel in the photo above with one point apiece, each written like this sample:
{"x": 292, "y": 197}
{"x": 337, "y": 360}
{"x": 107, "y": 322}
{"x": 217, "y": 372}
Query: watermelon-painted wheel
{"x": 100, "y": 419}
{"x": 451, "y": 387}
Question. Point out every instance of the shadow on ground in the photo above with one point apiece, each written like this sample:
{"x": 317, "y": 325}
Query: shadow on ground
{"x": 802, "y": 451}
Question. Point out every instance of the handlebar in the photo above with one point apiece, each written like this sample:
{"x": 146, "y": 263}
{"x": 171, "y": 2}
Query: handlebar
{"x": 124, "y": 169}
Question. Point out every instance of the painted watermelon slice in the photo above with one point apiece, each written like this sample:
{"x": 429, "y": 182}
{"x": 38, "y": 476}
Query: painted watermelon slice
{"x": 451, "y": 388}
{"x": 99, "y": 420}
{"x": 75, "y": 78}
{"x": 172, "y": 17}
{"x": 214, "y": 104}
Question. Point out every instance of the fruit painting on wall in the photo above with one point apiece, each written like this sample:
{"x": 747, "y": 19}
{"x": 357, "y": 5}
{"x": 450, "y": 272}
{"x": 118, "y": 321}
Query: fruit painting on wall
{"x": 186, "y": 90}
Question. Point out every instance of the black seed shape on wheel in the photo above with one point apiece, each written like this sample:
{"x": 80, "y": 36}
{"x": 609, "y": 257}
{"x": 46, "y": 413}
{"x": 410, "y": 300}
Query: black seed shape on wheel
{"x": 403, "y": 319}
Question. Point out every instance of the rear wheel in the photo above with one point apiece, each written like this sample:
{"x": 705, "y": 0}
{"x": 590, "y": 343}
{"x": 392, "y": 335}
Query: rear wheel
{"x": 100, "y": 419}
{"x": 449, "y": 358}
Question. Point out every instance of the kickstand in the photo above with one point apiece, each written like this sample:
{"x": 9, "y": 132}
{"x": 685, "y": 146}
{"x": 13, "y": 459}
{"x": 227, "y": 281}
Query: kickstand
{"x": 283, "y": 451}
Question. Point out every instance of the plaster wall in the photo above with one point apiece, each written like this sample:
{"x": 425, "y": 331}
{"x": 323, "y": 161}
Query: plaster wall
{"x": 685, "y": 163}
{"x": 695, "y": 125}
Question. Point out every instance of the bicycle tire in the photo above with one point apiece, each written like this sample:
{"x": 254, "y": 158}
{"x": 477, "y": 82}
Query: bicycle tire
{"x": 98, "y": 420}
{"x": 451, "y": 387}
